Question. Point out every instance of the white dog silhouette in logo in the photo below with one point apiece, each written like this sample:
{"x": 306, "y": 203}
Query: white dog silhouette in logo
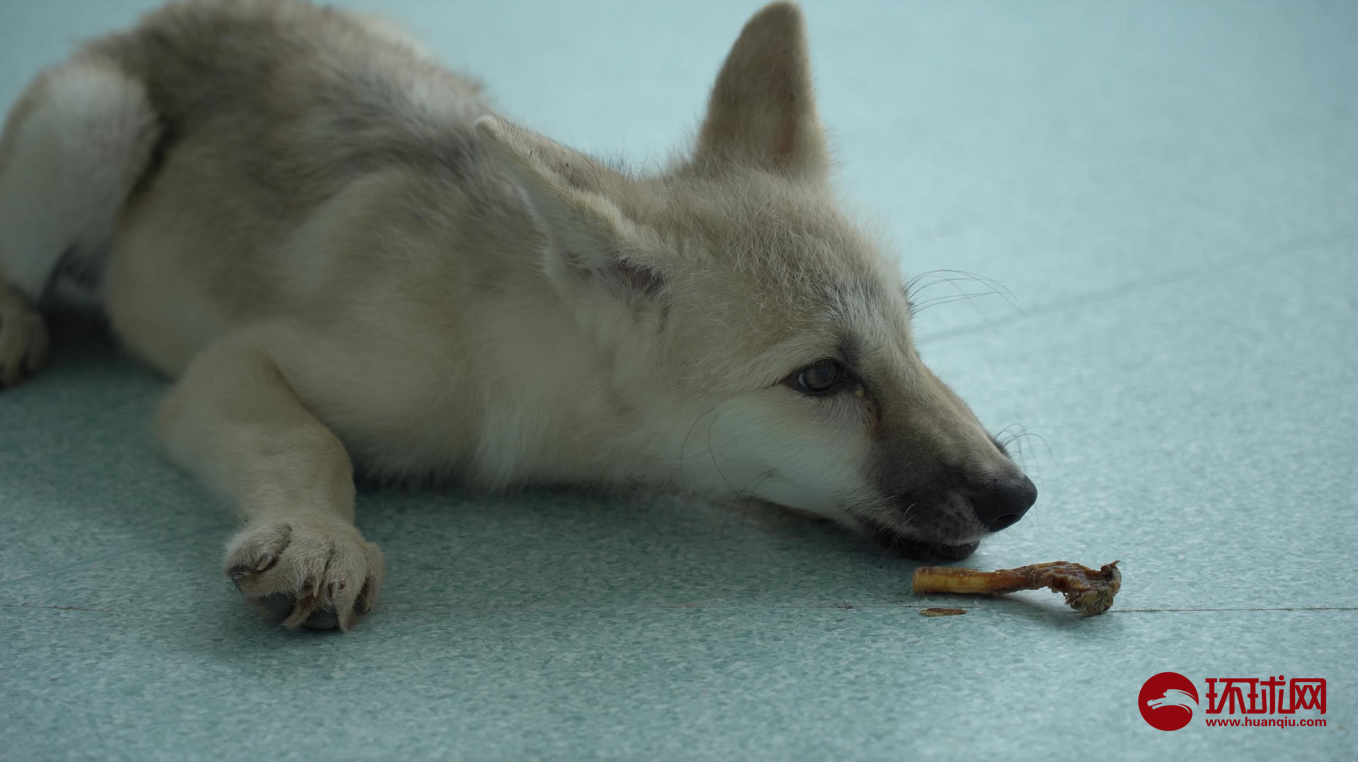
{"x": 1174, "y": 697}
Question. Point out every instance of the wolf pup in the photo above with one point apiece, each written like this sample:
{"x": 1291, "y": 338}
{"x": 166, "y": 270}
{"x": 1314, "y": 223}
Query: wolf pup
{"x": 348, "y": 260}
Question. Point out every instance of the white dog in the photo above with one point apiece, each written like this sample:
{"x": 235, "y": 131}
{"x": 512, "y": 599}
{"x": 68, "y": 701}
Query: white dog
{"x": 348, "y": 260}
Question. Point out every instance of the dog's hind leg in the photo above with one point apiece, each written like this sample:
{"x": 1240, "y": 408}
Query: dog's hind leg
{"x": 23, "y": 337}
{"x": 73, "y": 147}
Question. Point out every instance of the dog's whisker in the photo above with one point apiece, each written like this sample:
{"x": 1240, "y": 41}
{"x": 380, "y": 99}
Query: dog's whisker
{"x": 749, "y": 488}
{"x": 713, "y": 454}
{"x": 682, "y": 481}
{"x": 954, "y": 281}
{"x": 913, "y": 286}
{"x": 1027, "y": 434}
{"x": 997, "y": 285}
{"x": 918, "y": 308}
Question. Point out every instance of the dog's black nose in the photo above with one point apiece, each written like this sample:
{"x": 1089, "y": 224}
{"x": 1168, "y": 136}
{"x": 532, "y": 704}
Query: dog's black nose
{"x": 1001, "y": 504}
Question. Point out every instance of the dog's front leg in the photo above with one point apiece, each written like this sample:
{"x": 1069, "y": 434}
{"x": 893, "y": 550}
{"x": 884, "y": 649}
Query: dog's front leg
{"x": 235, "y": 420}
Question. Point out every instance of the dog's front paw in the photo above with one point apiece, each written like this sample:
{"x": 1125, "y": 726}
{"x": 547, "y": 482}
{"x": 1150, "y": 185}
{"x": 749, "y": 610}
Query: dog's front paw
{"x": 314, "y": 571}
{"x": 23, "y": 339}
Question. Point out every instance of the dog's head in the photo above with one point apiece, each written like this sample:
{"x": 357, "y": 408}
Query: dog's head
{"x": 763, "y": 334}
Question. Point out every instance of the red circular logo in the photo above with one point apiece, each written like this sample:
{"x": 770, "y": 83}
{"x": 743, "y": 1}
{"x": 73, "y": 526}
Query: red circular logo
{"x": 1167, "y": 701}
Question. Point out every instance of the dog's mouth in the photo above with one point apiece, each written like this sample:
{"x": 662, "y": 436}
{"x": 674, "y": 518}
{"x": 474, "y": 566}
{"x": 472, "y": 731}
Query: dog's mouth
{"x": 914, "y": 548}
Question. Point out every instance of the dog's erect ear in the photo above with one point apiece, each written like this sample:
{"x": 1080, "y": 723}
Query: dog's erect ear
{"x": 762, "y": 110}
{"x": 592, "y": 240}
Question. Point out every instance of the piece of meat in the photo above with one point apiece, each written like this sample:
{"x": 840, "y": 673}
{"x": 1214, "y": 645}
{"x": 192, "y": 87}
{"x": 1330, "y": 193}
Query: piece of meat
{"x": 1087, "y": 591}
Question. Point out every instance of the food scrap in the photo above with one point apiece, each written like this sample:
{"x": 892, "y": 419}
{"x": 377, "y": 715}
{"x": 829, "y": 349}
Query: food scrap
{"x": 1087, "y": 591}
{"x": 941, "y": 612}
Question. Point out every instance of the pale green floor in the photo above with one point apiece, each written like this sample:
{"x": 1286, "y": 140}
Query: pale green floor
{"x": 1169, "y": 189}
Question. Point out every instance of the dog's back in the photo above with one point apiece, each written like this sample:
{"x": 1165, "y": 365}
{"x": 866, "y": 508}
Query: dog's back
{"x": 296, "y": 98}
{"x": 236, "y": 119}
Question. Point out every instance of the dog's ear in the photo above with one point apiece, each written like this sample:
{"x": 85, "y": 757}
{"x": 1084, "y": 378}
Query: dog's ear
{"x": 593, "y": 242}
{"x": 762, "y": 110}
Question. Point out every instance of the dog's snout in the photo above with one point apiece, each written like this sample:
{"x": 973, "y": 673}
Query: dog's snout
{"x": 1002, "y": 503}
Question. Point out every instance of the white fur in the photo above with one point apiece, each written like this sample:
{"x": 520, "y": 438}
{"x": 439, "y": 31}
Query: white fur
{"x": 356, "y": 265}
{"x": 74, "y": 158}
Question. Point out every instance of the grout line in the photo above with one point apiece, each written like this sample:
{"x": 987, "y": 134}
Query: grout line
{"x": 830, "y": 606}
{"x": 1177, "y": 276}
{"x": 46, "y": 606}
{"x": 1264, "y": 608}
{"x": 111, "y": 556}
{"x": 396, "y": 608}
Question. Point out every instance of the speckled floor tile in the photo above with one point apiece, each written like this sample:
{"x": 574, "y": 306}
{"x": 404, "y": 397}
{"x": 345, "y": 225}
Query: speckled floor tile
{"x": 1205, "y": 424}
{"x": 627, "y": 683}
{"x": 77, "y": 455}
{"x": 1169, "y": 190}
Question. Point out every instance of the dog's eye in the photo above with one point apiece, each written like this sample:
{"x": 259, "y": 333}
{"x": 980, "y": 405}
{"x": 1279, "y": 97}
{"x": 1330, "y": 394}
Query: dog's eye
{"x": 820, "y": 378}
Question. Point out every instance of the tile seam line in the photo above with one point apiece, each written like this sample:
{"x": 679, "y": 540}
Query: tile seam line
{"x": 111, "y": 556}
{"x": 678, "y": 607}
{"x": 837, "y": 607}
{"x": 1305, "y": 246}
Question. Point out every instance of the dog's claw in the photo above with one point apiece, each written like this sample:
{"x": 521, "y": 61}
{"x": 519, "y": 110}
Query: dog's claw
{"x": 311, "y": 572}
